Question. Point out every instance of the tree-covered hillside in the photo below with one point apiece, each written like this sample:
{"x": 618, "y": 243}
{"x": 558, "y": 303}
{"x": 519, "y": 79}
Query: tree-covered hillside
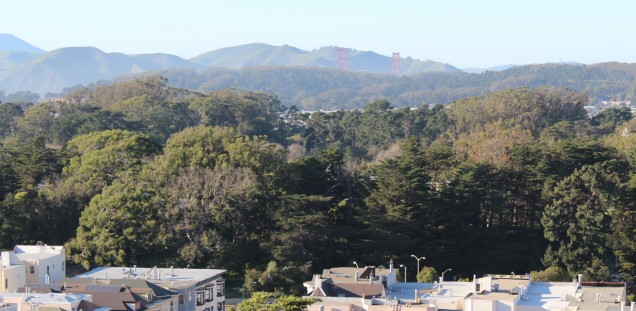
{"x": 314, "y": 89}
{"x": 139, "y": 172}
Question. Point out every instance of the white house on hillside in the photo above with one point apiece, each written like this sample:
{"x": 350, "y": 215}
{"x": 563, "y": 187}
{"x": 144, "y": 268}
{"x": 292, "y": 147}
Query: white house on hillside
{"x": 31, "y": 264}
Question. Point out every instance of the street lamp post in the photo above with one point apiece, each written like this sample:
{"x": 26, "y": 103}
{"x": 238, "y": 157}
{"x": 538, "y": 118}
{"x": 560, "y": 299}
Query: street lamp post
{"x": 355, "y": 263}
{"x": 449, "y": 269}
{"x": 403, "y": 266}
{"x": 418, "y": 261}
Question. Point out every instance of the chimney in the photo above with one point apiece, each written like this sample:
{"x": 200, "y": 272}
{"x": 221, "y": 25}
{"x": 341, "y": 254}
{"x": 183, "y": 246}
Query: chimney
{"x": 580, "y": 280}
{"x": 633, "y": 308}
{"x": 357, "y": 276}
{"x": 172, "y": 270}
{"x": 474, "y": 283}
{"x": 391, "y": 265}
{"x": 134, "y": 268}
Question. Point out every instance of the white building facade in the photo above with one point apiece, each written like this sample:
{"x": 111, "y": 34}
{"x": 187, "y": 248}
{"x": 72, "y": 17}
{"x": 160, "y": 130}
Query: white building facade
{"x": 28, "y": 264}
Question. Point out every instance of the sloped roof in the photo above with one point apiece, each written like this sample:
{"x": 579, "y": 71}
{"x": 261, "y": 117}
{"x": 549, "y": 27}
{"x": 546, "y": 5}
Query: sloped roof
{"x": 116, "y": 300}
{"x": 353, "y": 290}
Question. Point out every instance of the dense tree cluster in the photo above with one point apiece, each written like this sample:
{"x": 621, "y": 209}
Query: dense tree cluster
{"x": 142, "y": 173}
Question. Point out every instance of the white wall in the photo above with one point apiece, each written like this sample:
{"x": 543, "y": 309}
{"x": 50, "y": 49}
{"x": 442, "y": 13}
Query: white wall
{"x": 504, "y": 305}
{"x": 15, "y": 276}
{"x": 56, "y": 265}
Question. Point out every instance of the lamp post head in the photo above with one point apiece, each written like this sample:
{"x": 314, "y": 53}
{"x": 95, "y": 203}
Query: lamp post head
{"x": 413, "y": 256}
{"x": 401, "y": 266}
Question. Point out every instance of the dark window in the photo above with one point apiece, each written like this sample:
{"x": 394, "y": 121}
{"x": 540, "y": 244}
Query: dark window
{"x": 220, "y": 306}
{"x": 181, "y": 300}
{"x": 47, "y": 270}
{"x": 6, "y": 283}
{"x": 220, "y": 289}
{"x": 32, "y": 269}
{"x": 63, "y": 264}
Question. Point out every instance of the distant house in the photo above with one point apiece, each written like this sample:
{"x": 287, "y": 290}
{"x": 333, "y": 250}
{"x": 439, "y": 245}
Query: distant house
{"x": 44, "y": 302}
{"x": 191, "y": 289}
{"x": 31, "y": 264}
{"x": 367, "y": 282}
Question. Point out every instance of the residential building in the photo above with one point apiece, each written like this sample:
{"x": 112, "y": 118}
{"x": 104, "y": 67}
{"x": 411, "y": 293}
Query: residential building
{"x": 31, "y": 264}
{"x": 352, "y": 282}
{"x": 489, "y": 293}
{"x": 194, "y": 289}
{"x": 33, "y": 301}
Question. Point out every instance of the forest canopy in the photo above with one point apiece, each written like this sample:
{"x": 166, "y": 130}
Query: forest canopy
{"x": 139, "y": 172}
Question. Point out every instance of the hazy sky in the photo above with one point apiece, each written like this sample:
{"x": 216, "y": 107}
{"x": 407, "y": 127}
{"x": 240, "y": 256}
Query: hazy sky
{"x": 477, "y": 33}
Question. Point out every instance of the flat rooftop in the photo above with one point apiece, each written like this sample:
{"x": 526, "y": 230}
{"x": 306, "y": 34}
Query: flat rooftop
{"x": 348, "y": 274}
{"x": 41, "y": 298}
{"x": 37, "y": 252}
{"x": 169, "y": 277}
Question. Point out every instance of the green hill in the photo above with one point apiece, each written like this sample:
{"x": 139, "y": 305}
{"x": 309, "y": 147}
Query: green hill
{"x": 260, "y": 54}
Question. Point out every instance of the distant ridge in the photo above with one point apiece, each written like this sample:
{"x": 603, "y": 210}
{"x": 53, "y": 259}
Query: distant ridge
{"x": 481, "y": 70}
{"x": 12, "y": 43}
{"x": 65, "y": 67}
{"x": 261, "y": 54}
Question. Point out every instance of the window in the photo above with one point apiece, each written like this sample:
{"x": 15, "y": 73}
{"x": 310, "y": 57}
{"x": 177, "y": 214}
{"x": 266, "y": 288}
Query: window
{"x": 220, "y": 289}
{"x": 220, "y": 306}
{"x": 181, "y": 302}
{"x": 63, "y": 264}
{"x": 6, "y": 283}
{"x": 189, "y": 295}
{"x": 47, "y": 270}
{"x": 209, "y": 290}
{"x": 200, "y": 300}
{"x": 31, "y": 269}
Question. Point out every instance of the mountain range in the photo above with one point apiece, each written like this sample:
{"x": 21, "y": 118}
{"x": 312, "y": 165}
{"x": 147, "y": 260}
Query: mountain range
{"x": 24, "y": 67}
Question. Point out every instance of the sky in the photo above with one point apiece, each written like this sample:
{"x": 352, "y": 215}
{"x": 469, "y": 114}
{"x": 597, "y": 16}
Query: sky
{"x": 463, "y": 33}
